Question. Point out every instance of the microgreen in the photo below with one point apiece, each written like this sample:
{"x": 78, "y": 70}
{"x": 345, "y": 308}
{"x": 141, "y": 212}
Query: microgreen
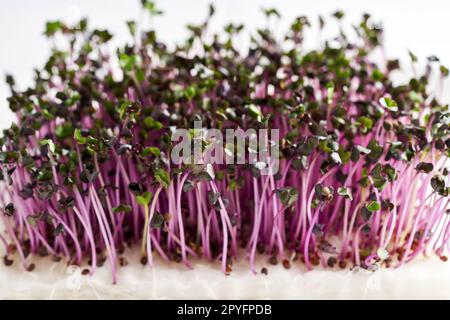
{"x": 287, "y": 195}
{"x": 364, "y": 159}
{"x": 49, "y": 143}
{"x": 144, "y": 198}
{"x": 373, "y": 206}
{"x": 121, "y": 208}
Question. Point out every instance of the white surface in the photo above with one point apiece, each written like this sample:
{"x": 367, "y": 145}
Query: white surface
{"x": 422, "y": 279}
{"x": 417, "y": 25}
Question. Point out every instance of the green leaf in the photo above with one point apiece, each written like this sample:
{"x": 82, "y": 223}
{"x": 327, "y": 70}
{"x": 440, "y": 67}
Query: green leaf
{"x": 51, "y": 27}
{"x": 203, "y": 176}
{"x": 424, "y": 167}
{"x": 151, "y": 151}
{"x": 272, "y": 12}
{"x": 412, "y": 56}
{"x": 190, "y": 92}
{"x": 32, "y": 220}
{"x": 375, "y": 151}
{"x": 373, "y": 206}
{"x": 128, "y": 62}
{"x": 345, "y": 192}
{"x": 338, "y": 14}
{"x": 438, "y": 183}
{"x": 157, "y": 220}
{"x": 74, "y": 98}
{"x": 151, "y": 123}
{"x": 387, "y": 205}
{"x": 344, "y": 155}
{"x": 213, "y": 197}
{"x": 376, "y": 172}
{"x": 140, "y": 74}
{"x": 444, "y": 71}
{"x": 211, "y": 10}
{"x": 78, "y": 137}
{"x": 49, "y": 143}
{"x": 300, "y": 163}
{"x": 144, "y": 198}
{"x": 64, "y": 131}
{"x": 129, "y": 109}
{"x": 380, "y": 184}
{"x": 377, "y": 75}
{"x": 287, "y": 195}
{"x": 150, "y": 6}
{"x": 132, "y": 27}
{"x": 162, "y": 176}
{"x": 366, "y": 123}
{"x": 47, "y": 115}
{"x": 121, "y": 208}
{"x": 103, "y": 35}
{"x": 254, "y": 111}
{"x": 389, "y": 104}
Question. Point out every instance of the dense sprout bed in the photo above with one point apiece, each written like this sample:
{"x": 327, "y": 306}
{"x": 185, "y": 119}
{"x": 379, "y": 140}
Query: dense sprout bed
{"x": 362, "y": 180}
